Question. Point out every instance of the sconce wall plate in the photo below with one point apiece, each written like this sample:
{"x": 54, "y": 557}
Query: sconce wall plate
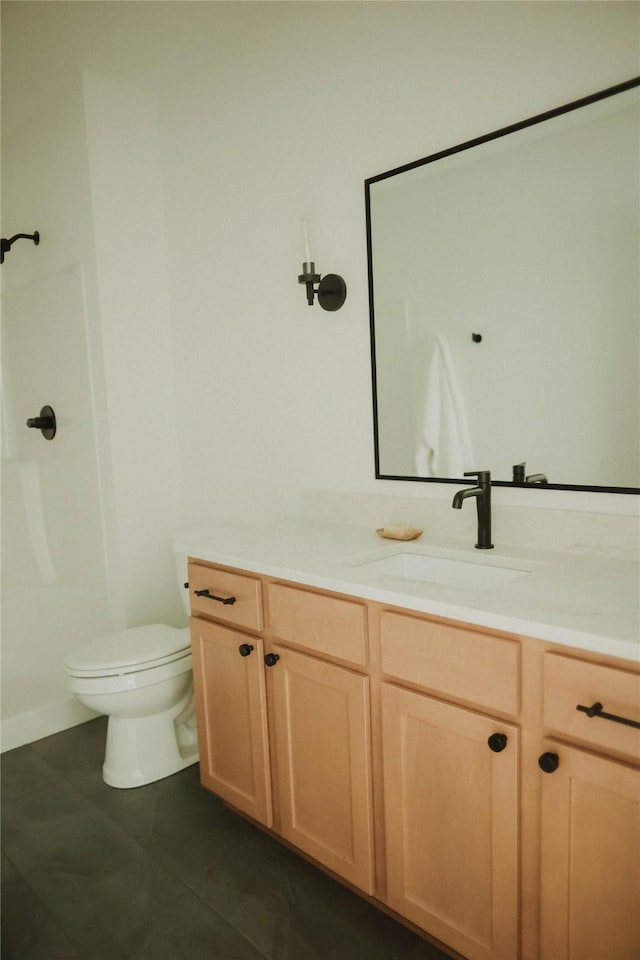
{"x": 332, "y": 292}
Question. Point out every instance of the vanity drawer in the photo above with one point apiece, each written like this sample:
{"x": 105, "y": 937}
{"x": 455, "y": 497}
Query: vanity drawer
{"x": 569, "y": 683}
{"x": 477, "y": 667}
{"x": 329, "y": 625}
{"x": 246, "y": 609}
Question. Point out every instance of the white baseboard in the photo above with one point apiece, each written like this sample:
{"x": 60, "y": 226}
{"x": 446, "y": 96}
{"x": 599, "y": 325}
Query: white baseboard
{"x": 24, "y": 728}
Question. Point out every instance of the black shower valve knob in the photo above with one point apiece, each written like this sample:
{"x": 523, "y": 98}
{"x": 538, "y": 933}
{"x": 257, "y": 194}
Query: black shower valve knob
{"x": 46, "y": 422}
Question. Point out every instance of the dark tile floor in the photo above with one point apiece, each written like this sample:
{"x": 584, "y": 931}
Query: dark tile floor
{"x": 162, "y": 872}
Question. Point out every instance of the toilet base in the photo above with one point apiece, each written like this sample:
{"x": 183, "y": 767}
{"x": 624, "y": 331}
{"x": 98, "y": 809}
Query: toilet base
{"x": 141, "y": 750}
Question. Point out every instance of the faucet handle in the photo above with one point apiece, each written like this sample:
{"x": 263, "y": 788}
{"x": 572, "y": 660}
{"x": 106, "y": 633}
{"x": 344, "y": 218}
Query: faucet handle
{"x": 484, "y": 476}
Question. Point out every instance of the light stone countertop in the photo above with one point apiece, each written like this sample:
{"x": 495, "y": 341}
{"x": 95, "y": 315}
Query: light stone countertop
{"x": 588, "y": 602}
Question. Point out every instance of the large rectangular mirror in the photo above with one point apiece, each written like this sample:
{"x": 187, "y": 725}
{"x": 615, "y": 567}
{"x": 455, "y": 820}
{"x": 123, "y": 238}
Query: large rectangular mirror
{"x": 504, "y": 290}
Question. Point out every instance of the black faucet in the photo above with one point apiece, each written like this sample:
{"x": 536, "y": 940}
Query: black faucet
{"x": 482, "y": 493}
{"x": 519, "y": 475}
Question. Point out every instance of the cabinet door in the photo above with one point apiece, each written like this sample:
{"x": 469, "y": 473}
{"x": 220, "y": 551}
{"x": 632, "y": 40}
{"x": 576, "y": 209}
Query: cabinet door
{"x": 321, "y": 739}
{"x": 451, "y": 807}
{"x": 232, "y": 717}
{"x": 590, "y": 859}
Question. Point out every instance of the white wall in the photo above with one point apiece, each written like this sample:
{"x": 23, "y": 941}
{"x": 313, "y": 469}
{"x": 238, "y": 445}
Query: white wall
{"x": 277, "y": 395}
{"x": 266, "y": 112}
{"x": 132, "y": 273}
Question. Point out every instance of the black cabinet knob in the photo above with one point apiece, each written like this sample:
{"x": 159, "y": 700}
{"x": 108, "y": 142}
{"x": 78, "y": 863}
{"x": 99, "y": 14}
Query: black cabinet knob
{"x": 549, "y": 762}
{"x": 497, "y": 742}
{"x": 271, "y": 659}
{"x": 245, "y": 649}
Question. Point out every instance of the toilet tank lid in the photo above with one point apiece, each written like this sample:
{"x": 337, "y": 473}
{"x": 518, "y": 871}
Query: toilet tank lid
{"x": 128, "y": 648}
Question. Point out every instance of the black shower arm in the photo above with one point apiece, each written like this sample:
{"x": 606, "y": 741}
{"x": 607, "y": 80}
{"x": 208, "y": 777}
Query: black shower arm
{"x": 5, "y": 245}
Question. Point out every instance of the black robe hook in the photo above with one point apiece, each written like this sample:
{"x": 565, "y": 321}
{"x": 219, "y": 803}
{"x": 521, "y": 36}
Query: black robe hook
{"x": 5, "y": 245}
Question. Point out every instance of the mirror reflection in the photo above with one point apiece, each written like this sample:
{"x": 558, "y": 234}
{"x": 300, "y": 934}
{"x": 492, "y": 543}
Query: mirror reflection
{"x": 504, "y": 292}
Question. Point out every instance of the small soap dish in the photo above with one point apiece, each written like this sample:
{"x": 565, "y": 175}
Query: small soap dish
{"x": 399, "y": 533}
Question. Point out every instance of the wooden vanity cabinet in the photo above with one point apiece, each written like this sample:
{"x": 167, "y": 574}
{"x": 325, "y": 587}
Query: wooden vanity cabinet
{"x": 507, "y": 822}
{"x": 229, "y": 597}
{"x": 320, "y": 729}
{"x": 284, "y": 731}
{"x": 229, "y": 687}
{"x": 590, "y": 843}
{"x": 230, "y": 697}
{"x": 450, "y": 784}
{"x": 321, "y": 752}
{"x": 590, "y": 813}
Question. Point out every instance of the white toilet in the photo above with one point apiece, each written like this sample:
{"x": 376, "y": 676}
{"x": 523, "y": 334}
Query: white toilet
{"x": 142, "y": 679}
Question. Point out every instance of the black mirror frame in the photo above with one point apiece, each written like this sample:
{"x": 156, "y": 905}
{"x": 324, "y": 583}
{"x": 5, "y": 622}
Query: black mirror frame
{"x": 503, "y": 131}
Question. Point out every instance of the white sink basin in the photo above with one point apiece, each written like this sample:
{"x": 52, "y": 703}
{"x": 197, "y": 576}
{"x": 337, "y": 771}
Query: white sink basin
{"x": 469, "y": 574}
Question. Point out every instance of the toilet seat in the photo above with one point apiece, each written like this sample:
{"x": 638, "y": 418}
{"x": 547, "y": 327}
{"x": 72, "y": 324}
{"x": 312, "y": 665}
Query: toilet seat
{"x": 128, "y": 651}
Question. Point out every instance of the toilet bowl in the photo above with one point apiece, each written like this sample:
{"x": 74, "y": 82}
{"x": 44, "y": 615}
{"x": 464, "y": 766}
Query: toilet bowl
{"x": 142, "y": 680}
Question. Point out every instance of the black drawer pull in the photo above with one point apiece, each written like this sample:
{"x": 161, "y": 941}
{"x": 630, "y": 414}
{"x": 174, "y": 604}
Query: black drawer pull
{"x": 596, "y": 710}
{"x": 212, "y": 596}
{"x": 245, "y": 649}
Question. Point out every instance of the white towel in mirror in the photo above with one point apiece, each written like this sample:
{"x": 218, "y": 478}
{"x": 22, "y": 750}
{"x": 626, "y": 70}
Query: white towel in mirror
{"x": 444, "y": 448}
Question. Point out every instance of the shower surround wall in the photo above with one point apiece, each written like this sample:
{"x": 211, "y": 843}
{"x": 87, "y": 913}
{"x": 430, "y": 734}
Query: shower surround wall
{"x": 166, "y": 152}
{"x": 88, "y": 516}
{"x": 55, "y": 582}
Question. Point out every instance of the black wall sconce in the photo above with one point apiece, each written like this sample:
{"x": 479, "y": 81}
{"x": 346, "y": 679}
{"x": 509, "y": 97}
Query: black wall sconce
{"x": 331, "y": 290}
{"x": 5, "y": 245}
